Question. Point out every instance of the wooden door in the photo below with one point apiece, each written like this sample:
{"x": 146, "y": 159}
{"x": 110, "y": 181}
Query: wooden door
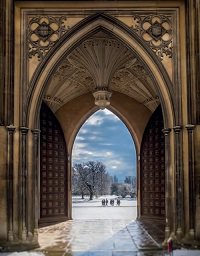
{"x": 53, "y": 169}
{"x": 152, "y": 169}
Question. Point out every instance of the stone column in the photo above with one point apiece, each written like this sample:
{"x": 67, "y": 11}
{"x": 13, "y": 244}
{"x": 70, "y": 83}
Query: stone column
{"x": 35, "y": 181}
{"x": 11, "y": 130}
{"x": 168, "y": 209}
{"x": 192, "y": 193}
{"x": 138, "y": 188}
{"x": 69, "y": 187}
{"x": 22, "y": 183}
{"x": 179, "y": 183}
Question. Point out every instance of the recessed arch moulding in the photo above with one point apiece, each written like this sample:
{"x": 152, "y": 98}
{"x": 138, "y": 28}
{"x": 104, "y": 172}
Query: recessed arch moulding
{"x": 133, "y": 113}
{"x": 73, "y": 113}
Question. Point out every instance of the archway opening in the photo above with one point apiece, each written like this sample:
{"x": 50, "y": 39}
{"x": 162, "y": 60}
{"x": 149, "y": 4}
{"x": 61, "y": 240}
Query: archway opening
{"x": 113, "y": 229}
{"x": 104, "y": 170}
{"x": 131, "y": 79}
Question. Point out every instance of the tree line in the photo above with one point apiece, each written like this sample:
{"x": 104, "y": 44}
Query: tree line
{"x": 91, "y": 178}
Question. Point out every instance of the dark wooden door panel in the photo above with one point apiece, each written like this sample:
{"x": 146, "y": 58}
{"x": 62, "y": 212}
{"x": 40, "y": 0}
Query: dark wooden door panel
{"x": 53, "y": 169}
{"x": 152, "y": 171}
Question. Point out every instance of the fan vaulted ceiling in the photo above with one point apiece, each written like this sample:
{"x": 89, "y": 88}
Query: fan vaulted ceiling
{"x": 101, "y": 61}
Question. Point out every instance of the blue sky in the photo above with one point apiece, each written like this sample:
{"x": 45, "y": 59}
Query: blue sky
{"x": 104, "y": 137}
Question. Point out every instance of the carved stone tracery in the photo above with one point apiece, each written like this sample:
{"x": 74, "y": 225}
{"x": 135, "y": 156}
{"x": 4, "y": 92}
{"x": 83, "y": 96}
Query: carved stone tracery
{"x": 43, "y": 33}
{"x": 155, "y": 30}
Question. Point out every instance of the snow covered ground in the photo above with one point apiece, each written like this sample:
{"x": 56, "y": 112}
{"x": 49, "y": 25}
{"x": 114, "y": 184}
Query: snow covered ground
{"x": 87, "y": 213}
{"x": 93, "y": 209}
{"x": 77, "y": 201}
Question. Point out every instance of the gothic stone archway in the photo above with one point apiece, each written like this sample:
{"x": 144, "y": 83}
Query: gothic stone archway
{"x": 148, "y": 33}
{"x": 77, "y": 58}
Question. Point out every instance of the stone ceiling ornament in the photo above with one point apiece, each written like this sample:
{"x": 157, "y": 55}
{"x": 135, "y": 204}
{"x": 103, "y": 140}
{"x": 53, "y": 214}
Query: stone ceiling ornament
{"x": 101, "y": 57}
{"x": 134, "y": 81}
{"x": 102, "y": 97}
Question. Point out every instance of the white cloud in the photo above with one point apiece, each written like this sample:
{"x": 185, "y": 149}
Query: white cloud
{"x": 79, "y": 138}
{"x": 108, "y": 153}
{"x": 113, "y": 128}
{"x": 82, "y": 151}
{"x": 100, "y": 116}
{"x": 106, "y": 144}
{"x": 95, "y": 120}
{"x": 94, "y": 137}
{"x": 114, "y": 162}
{"x": 80, "y": 145}
{"x": 110, "y": 115}
{"x": 84, "y": 130}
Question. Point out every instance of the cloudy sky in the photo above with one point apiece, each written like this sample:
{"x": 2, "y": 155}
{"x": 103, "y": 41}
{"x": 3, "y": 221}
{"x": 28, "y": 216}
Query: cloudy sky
{"x": 104, "y": 137}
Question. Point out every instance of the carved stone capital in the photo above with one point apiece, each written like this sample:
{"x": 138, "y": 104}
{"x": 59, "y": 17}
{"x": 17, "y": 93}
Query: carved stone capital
{"x": 35, "y": 131}
{"x": 190, "y": 127}
{"x": 11, "y": 128}
{"x": 177, "y": 129}
{"x": 166, "y": 131}
{"x": 24, "y": 130}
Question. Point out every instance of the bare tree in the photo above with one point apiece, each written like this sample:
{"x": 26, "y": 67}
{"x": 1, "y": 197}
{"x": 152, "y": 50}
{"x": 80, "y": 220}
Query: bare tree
{"x": 92, "y": 177}
{"x": 132, "y": 181}
{"x": 78, "y": 187}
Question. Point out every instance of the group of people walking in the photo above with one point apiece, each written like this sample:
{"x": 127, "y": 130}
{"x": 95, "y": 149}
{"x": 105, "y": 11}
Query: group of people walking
{"x": 112, "y": 202}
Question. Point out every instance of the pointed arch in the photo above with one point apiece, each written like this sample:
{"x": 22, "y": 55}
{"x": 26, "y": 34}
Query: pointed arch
{"x": 116, "y": 112}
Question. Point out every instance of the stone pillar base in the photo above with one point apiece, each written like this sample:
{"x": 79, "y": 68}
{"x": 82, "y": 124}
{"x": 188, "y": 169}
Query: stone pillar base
{"x": 24, "y": 234}
{"x": 179, "y": 234}
{"x": 10, "y": 236}
{"x": 6, "y": 246}
{"x": 189, "y": 240}
{"x": 35, "y": 235}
